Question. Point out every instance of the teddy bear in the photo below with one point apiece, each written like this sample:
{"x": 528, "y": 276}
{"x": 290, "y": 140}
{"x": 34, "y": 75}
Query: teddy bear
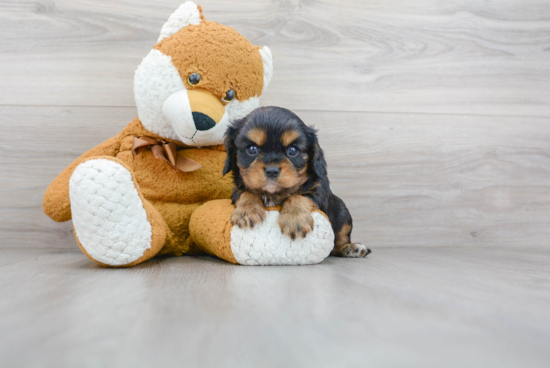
{"x": 157, "y": 187}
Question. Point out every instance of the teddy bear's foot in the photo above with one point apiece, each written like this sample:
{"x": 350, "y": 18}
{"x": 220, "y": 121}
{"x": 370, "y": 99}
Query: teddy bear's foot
{"x": 265, "y": 244}
{"x": 114, "y": 224}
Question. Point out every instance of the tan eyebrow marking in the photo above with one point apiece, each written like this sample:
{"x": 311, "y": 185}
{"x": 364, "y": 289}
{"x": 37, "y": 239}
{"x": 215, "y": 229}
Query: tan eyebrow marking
{"x": 289, "y": 136}
{"x": 257, "y": 136}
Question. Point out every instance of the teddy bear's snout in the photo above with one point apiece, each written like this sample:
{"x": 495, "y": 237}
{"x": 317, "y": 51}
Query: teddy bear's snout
{"x": 207, "y": 109}
{"x": 197, "y": 116}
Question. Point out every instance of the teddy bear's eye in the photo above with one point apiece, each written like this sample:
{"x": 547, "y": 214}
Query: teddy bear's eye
{"x": 193, "y": 79}
{"x": 230, "y": 95}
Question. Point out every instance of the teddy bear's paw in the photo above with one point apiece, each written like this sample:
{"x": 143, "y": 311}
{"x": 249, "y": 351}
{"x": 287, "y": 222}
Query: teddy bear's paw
{"x": 297, "y": 224}
{"x": 109, "y": 218}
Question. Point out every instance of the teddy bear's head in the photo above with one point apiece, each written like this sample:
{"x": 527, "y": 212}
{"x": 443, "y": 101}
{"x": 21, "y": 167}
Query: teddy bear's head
{"x": 198, "y": 78}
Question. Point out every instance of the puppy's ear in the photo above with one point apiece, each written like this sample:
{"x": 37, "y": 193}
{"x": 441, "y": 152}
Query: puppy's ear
{"x": 316, "y": 157}
{"x": 229, "y": 142}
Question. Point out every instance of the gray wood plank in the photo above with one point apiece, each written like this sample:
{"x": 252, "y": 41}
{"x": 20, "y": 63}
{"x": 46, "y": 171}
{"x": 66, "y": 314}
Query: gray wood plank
{"x": 11, "y": 257}
{"x": 412, "y": 307}
{"x": 427, "y": 56}
{"x": 408, "y": 179}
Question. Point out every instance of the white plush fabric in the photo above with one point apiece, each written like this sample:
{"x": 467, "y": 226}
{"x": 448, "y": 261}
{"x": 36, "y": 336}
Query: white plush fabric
{"x": 187, "y": 14}
{"x": 108, "y": 214}
{"x": 266, "y": 245}
{"x": 239, "y": 109}
{"x": 155, "y": 80}
{"x": 267, "y": 60}
{"x": 177, "y": 112}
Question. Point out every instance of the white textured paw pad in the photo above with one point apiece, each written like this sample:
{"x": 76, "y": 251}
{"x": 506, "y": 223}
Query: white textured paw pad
{"x": 266, "y": 245}
{"x": 108, "y": 214}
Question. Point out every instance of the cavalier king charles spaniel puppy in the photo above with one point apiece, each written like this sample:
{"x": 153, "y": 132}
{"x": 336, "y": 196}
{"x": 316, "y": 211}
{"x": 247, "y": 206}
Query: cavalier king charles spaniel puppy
{"x": 276, "y": 160}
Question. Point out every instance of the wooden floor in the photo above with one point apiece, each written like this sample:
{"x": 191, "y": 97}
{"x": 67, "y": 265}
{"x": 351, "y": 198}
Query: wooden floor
{"x": 401, "y": 307}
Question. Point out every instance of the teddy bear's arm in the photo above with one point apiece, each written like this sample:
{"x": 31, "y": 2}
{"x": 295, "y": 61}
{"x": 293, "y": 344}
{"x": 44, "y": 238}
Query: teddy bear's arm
{"x": 56, "y": 202}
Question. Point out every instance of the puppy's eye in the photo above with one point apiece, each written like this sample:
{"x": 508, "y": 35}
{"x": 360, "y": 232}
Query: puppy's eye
{"x": 229, "y": 96}
{"x": 292, "y": 151}
{"x": 193, "y": 79}
{"x": 252, "y": 150}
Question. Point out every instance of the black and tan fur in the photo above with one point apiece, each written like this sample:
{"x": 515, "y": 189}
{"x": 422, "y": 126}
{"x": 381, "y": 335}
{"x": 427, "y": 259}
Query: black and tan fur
{"x": 276, "y": 160}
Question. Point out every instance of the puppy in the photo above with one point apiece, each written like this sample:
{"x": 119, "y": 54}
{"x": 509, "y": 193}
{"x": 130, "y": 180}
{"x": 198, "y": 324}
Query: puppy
{"x": 276, "y": 161}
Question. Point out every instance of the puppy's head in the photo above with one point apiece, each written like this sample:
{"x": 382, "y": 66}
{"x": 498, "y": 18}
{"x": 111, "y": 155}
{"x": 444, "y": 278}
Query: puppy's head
{"x": 272, "y": 151}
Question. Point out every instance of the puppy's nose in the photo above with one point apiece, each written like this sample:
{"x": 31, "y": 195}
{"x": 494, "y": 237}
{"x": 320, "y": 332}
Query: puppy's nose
{"x": 272, "y": 172}
{"x": 203, "y": 121}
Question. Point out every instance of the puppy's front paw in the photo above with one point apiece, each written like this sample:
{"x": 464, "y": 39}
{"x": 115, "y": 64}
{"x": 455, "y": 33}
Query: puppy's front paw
{"x": 295, "y": 219}
{"x": 296, "y": 225}
{"x": 248, "y": 217}
{"x": 249, "y": 212}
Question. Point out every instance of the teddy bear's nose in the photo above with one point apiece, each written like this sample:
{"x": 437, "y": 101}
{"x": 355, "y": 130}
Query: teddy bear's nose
{"x": 203, "y": 121}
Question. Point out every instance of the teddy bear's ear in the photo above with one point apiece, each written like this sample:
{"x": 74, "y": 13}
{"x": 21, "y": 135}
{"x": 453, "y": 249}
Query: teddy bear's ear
{"x": 267, "y": 60}
{"x": 187, "y": 14}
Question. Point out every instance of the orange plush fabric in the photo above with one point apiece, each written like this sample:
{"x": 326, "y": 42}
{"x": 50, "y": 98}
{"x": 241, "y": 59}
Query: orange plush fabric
{"x": 223, "y": 58}
{"x": 211, "y": 228}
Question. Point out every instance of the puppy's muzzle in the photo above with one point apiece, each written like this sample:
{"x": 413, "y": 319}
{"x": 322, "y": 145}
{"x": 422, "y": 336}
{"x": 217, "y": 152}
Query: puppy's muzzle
{"x": 207, "y": 110}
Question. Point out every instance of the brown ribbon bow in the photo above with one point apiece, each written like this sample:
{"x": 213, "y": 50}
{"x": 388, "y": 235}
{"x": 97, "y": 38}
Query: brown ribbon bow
{"x": 165, "y": 151}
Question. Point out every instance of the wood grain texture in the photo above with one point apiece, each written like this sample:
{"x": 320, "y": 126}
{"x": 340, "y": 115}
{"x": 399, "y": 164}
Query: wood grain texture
{"x": 408, "y": 179}
{"x": 485, "y": 308}
{"x": 430, "y": 56}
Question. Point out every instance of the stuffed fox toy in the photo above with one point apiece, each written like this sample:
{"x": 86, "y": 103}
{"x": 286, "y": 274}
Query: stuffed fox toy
{"x": 157, "y": 187}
